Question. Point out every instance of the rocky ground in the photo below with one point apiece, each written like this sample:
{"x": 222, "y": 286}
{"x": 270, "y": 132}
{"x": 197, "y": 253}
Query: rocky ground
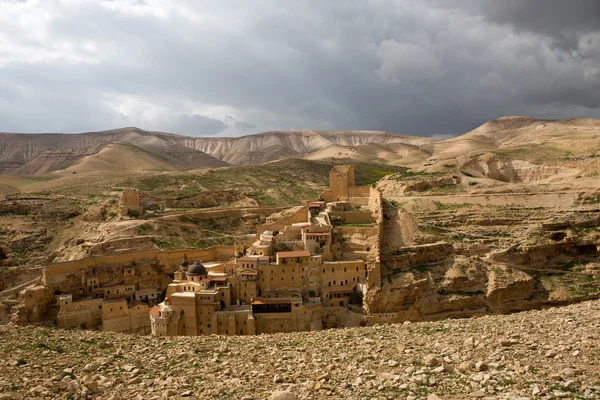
{"x": 547, "y": 354}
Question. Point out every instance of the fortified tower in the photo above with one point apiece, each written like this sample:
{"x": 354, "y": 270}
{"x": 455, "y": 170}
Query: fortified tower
{"x": 341, "y": 180}
{"x": 131, "y": 203}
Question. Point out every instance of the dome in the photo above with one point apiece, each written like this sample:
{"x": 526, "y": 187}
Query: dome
{"x": 184, "y": 262}
{"x": 196, "y": 269}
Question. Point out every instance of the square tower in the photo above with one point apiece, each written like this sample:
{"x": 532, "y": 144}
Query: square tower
{"x": 341, "y": 179}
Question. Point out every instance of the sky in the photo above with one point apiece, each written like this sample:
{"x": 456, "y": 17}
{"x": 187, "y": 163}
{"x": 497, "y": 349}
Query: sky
{"x": 230, "y": 68}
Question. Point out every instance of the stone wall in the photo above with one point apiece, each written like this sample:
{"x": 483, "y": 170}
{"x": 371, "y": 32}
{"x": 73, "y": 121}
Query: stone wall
{"x": 353, "y": 217}
{"x": 124, "y": 319}
{"x": 131, "y": 203}
{"x": 301, "y": 318}
{"x": 58, "y": 269}
{"x": 209, "y": 198}
{"x": 79, "y": 314}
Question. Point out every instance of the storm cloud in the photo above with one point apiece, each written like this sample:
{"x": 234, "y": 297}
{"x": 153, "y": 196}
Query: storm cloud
{"x": 238, "y": 67}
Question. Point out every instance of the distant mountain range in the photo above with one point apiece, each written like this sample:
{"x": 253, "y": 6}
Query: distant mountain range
{"x": 133, "y": 149}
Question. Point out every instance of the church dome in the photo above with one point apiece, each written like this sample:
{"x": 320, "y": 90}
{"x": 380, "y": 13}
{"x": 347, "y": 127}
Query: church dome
{"x": 184, "y": 263}
{"x": 196, "y": 269}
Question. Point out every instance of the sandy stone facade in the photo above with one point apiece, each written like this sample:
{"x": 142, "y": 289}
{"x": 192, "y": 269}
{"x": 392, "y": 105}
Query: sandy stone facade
{"x": 298, "y": 275}
{"x": 131, "y": 203}
{"x": 305, "y": 270}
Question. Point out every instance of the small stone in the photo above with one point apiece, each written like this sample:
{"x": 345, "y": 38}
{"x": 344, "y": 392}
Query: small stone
{"x": 551, "y": 353}
{"x": 278, "y": 378}
{"x": 433, "y": 396}
{"x": 464, "y": 366}
{"x": 90, "y": 367}
{"x": 393, "y": 363}
{"x": 283, "y": 395}
{"x": 478, "y": 377}
{"x": 469, "y": 343}
{"x": 431, "y": 360}
{"x": 92, "y": 387}
{"x": 477, "y": 393}
{"x": 536, "y": 390}
{"x": 186, "y": 393}
{"x": 128, "y": 368}
{"x": 481, "y": 366}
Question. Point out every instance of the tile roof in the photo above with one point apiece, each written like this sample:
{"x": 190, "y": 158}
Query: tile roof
{"x": 154, "y": 311}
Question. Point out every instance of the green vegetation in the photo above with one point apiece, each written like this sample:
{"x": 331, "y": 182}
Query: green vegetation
{"x": 447, "y": 189}
{"x": 357, "y": 225}
{"x": 433, "y": 230}
{"x": 398, "y": 204}
{"x": 413, "y": 175}
{"x": 455, "y": 293}
{"x": 534, "y": 152}
{"x": 366, "y": 174}
{"x": 451, "y": 206}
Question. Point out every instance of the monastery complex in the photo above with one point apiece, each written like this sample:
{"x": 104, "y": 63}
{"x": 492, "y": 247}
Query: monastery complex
{"x": 298, "y": 273}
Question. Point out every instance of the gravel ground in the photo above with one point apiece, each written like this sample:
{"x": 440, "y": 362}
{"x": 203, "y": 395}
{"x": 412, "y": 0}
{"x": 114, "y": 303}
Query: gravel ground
{"x": 547, "y": 354}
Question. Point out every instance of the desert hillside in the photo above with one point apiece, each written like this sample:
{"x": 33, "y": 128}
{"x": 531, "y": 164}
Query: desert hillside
{"x": 25, "y": 154}
{"x": 498, "y": 144}
{"x": 537, "y": 354}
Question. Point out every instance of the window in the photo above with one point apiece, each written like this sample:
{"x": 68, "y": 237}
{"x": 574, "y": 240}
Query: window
{"x": 100, "y": 307}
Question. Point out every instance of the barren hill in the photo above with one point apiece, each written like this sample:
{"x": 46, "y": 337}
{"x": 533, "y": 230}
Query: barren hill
{"x": 128, "y": 149}
{"x": 508, "y": 138}
{"x": 38, "y": 153}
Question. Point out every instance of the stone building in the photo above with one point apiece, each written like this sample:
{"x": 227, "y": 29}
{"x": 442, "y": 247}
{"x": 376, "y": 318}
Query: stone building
{"x": 300, "y": 272}
{"x": 292, "y": 276}
{"x": 131, "y": 203}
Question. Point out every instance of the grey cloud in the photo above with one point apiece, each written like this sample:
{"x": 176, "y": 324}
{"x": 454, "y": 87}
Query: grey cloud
{"x": 563, "y": 21}
{"x": 191, "y": 125}
{"x": 241, "y": 125}
{"x": 212, "y": 68}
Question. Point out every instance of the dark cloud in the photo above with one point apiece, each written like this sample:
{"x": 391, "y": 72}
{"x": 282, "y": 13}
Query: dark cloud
{"x": 232, "y": 68}
{"x": 192, "y": 125}
{"x": 563, "y": 21}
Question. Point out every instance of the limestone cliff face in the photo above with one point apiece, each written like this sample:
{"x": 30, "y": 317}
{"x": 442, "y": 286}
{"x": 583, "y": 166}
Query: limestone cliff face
{"x": 444, "y": 260}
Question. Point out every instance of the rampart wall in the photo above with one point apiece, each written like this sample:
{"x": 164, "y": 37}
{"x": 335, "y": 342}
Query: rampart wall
{"x": 84, "y": 313}
{"x": 301, "y": 318}
{"x": 353, "y": 217}
{"x": 111, "y": 259}
{"x": 223, "y": 213}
